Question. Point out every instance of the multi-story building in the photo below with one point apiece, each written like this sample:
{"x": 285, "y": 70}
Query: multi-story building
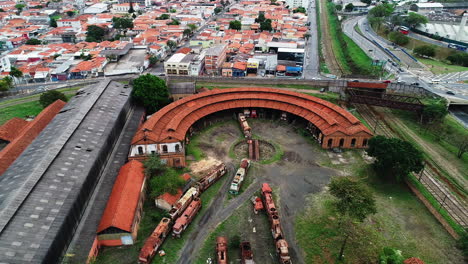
{"x": 297, "y": 3}
{"x": 178, "y": 64}
{"x": 214, "y": 58}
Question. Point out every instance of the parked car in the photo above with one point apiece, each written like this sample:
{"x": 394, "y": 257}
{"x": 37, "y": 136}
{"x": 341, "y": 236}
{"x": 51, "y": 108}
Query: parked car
{"x": 435, "y": 81}
{"x": 387, "y": 81}
{"x": 355, "y": 80}
{"x": 415, "y": 84}
{"x": 450, "y": 92}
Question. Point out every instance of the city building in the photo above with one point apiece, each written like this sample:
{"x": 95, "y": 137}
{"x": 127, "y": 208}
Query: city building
{"x": 214, "y": 58}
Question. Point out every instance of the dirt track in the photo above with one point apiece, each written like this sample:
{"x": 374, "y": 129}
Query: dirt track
{"x": 295, "y": 176}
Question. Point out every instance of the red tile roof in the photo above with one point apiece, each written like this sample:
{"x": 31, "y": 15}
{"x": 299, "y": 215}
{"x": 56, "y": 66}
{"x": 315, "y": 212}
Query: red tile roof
{"x": 171, "y": 198}
{"x": 12, "y": 128}
{"x": 171, "y": 123}
{"x": 123, "y": 201}
{"x": 12, "y": 151}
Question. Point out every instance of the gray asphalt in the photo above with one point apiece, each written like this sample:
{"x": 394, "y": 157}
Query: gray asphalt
{"x": 311, "y": 68}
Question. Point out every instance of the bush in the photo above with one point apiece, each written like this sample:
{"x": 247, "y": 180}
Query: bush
{"x": 425, "y": 50}
{"x": 459, "y": 58}
{"x": 151, "y": 92}
{"x": 235, "y": 242}
{"x": 398, "y": 38}
{"x": 49, "y": 97}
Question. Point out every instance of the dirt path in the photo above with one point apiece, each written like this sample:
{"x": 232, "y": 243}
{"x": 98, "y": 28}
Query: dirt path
{"x": 30, "y": 99}
{"x": 328, "y": 54}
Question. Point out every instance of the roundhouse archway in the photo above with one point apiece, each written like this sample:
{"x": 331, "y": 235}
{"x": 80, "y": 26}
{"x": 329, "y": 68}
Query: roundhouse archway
{"x": 165, "y": 132}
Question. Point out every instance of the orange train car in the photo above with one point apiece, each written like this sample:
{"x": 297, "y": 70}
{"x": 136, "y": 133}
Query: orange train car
{"x": 221, "y": 250}
{"x": 186, "y": 218}
{"x": 153, "y": 242}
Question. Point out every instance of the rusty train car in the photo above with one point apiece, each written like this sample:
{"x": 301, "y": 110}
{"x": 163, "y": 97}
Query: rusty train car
{"x": 221, "y": 250}
{"x": 245, "y": 126}
{"x": 246, "y": 253}
{"x": 183, "y": 202}
{"x": 187, "y": 217}
{"x": 282, "y": 247}
{"x": 208, "y": 180}
{"x": 153, "y": 242}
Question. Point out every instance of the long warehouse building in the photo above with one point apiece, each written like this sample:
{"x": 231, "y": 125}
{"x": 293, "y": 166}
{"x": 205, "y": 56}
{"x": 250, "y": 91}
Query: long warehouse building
{"x": 45, "y": 191}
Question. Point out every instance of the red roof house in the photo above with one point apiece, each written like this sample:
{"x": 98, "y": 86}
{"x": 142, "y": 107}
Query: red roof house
{"x": 119, "y": 223}
{"x": 29, "y": 132}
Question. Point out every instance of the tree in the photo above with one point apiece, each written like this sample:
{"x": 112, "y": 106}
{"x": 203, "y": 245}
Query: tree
{"x": 2, "y": 10}
{"x": 122, "y": 24}
{"x": 339, "y": 7}
{"x": 218, "y": 10}
{"x": 53, "y": 22}
{"x": 383, "y": 10}
{"x": 150, "y": 91}
{"x": 70, "y": 13}
{"x": 368, "y": 2}
{"x": 15, "y": 72}
{"x": 462, "y": 143}
{"x": 163, "y": 17}
{"x": 300, "y": 10}
{"x": 49, "y": 97}
{"x": 192, "y": 27}
{"x": 187, "y": 32}
{"x": 168, "y": 181}
{"x": 349, "y": 7}
{"x": 131, "y": 10}
{"x": 33, "y": 41}
{"x": 95, "y": 33}
{"x": 434, "y": 112}
{"x": 353, "y": 202}
{"x": 235, "y": 24}
{"x": 20, "y": 7}
{"x": 266, "y": 25}
{"x": 172, "y": 11}
{"x": 459, "y": 58}
{"x": 307, "y": 35}
{"x": 153, "y": 60}
{"x": 394, "y": 157}
{"x": 261, "y": 17}
{"x": 174, "y": 22}
{"x": 398, "y": 38}
{"x": 425, "y": 50}
{"x": 415, "y": 19}
{"x": 6, "y": 84}
{"x": 153, "y": 166}
{"x": 171, "y": 44}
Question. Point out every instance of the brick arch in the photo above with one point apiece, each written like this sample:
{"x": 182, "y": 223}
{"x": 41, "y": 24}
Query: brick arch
{"x": 172, "y": 122}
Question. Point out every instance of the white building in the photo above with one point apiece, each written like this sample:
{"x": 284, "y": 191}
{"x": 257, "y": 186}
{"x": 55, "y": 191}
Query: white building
{"x": 96, "y": 9}
{"x": 74, "y": 23}
{"x": 123, "y": 8}
{"x": 297, "y": 3}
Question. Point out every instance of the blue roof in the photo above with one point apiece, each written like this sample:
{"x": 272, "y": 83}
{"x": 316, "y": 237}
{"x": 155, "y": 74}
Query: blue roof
{"x": 293, "y": 69}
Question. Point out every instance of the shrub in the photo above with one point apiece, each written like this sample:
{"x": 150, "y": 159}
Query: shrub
{"x": 398, "y": 38}
{"x": 49, "y": 97}
{"x": 425, "y": 50}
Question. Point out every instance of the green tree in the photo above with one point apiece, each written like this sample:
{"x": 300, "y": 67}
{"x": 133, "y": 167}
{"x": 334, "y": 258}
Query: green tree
{"x": 434, "y": 112}
{"x": 122, "y": 23}
{"x": 300, "y": 10}
{"x": 349, "y": 7}
{"x": 33, "y": 41}
{"x": 339, "y": 7}
{"x": 391, "y": 256}
{"x": 171, "y": 44}
{"x": 169, "y": 181}
{"x": 415, "y": 19}
{"x": 153, "y": 166}
{"x": 353, "y": 202}
{"x": 15, "y": 72}
{"x": 307, "y": 35}
{"x": 2, "y": 10}
{"x": 49, "y": 97}
{"x": 218, "y": 10}
{"x": 261, "y": 17}
{"x": 192, "y": 27}
{"x": 70, "y": 13}
{"x": 235, "y": 24}
{"x": 6, "y": 84}
{"x": 153, "y": 60}
{"x": 383, "y": 10}
{"x": 266, "y": 25}
{"x": 174, "y": 22}
{"x": 172, "y": 10}
{"x": 95, "y": 33}
{"x": 425, "y": 50}
{"x": 53, "y": 22}
{"x": 459, "y": 58}
{"x": 20, "y": 7}
{"x": 394, "y": 157}
{"x": 398, "y": 38}
{"x": 187, "y": 32}
{"x": 163, "y": 17}
{"x": 462, "y": 144}
{"x": 151, "y": 92}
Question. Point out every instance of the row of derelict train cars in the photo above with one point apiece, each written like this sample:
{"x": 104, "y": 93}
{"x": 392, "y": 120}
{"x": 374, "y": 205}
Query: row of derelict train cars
{"x": 187, "y": 207}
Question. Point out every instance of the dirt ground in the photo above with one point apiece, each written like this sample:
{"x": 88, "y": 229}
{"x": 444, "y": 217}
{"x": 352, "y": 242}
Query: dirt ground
{"x": 293, "y": 177}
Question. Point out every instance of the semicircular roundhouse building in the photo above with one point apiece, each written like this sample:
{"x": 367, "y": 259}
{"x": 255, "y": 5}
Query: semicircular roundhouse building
{"x": 166, "y": 132}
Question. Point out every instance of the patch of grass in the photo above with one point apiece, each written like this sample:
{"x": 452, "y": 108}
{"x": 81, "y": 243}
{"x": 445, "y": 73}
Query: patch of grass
{"x": 323, "y": 65}
{"x": 327, "y": 96}
{"x": 279, "y": 152}
{"x": 402, "y": 222}
{"x": 193, "y": 149}
{"x": 212, "y": 86}
{"x": 440, "y": 67}
{"x": 22, "y": 110}
{"x": 338, "y": 51}
{"x": 359, "y": 116}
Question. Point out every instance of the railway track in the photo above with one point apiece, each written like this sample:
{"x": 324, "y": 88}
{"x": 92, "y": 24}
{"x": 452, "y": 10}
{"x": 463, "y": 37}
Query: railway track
{"x": 330, "y": 57}
{"x": 456, "y": 208}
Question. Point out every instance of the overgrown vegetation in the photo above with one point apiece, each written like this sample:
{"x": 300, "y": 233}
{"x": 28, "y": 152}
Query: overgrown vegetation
{"x": 162, "y": 178}
{"x": 49, "y": 97}
{"x": 151, "y": 92}
{"x": 350, "y": 56}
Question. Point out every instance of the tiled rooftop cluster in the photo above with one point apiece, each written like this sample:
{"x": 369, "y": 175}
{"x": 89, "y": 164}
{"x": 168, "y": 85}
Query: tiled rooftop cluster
{"x": 43, "y": 192}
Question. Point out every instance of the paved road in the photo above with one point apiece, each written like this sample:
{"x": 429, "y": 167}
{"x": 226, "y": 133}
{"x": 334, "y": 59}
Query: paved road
{"x": 429, "y": 40}
{"x": 311, "y": 68}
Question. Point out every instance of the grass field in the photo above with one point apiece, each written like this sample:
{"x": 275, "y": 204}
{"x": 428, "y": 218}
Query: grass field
{"x": 402, "y": 222}
{"x": 440, "y": 67}
{"x": 25, "y": 109}
{"x": 334, "y": 35}
{"x": 211, "y": 86}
